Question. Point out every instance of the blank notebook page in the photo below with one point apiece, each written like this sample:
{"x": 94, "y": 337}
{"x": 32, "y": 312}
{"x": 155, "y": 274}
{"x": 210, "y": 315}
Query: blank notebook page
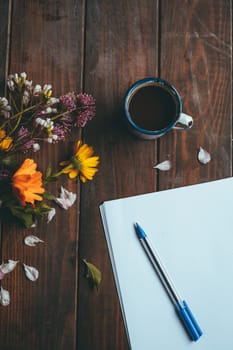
{"x": 192, "y": 230}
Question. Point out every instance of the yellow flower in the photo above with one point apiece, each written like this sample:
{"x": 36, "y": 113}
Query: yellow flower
{"x": 5, "y": 142}
{"x": 27, "y": 183}
{"x": 82, "y": 163}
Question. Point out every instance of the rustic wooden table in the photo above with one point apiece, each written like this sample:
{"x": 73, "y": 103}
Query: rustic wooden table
{"x": 102, "y": 47}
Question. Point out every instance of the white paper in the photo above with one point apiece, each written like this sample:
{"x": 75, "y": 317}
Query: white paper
{"x": 191, "y": 229}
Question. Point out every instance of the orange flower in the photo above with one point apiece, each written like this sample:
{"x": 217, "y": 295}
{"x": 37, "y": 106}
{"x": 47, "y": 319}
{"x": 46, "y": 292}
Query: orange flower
{"x": 5, "y": 141}
{"x": 27, "y": 183}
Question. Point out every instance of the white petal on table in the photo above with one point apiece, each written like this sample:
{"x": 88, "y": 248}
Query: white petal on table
{"x": 164, "y": 166}
{"x": 4, "y": 297}
{"x": 31, "y": 272}
{"x": 8, "y": 267}
{"x": 203, "y": 156}
{"x": 32, "y": 240}
{"x": 66, "y": 199}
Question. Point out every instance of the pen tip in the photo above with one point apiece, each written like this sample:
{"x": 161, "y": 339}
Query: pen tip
{"x": 140, "y": 232}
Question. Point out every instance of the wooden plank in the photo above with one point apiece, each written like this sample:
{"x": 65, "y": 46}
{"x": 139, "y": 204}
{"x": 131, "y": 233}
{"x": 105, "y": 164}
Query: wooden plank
{"x": 5, "y": 8}
{"x": 47, "y": 43}
{"x": 196, "y": 57}
{"x": 121, "y": 47}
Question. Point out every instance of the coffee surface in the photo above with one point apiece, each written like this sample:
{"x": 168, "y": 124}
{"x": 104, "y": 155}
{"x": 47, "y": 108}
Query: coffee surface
{"x": 152, "y": 108}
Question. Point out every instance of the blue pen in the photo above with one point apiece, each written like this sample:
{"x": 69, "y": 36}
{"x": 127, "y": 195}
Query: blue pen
{"x": 181, "y": 306}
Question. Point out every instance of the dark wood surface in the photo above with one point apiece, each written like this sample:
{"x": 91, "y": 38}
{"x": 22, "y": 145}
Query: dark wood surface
{"x": 102, "y": 47}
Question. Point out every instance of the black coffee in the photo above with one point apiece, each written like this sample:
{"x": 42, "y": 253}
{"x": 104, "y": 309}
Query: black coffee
{"x": 153, "y": 108}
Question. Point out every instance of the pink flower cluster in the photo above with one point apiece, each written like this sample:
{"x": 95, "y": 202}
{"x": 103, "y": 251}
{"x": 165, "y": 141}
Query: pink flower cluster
{"x": 86, "y": 108}
{"x": 33, "y": 114}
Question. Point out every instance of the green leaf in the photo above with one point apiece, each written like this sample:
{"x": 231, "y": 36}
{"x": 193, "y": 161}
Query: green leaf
{"x": 23, "y": 215}
{"x": 48, "y": 172}
{"x": 93, "y": 273}
{"x": 51, "y": 178}
{"x": 49, "y": 196}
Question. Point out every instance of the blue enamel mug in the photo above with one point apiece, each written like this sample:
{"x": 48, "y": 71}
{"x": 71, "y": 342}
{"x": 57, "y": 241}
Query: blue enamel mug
{"x": 152, "y": 107}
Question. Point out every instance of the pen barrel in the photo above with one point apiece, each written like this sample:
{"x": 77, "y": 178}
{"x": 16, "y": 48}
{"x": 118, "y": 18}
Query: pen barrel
{"x": 182, "y": 308}
{"x": 189, "y": 320}
{"x": 161, "y": 271}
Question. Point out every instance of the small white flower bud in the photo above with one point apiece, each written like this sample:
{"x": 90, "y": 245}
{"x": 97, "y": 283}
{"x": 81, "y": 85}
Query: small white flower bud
{"x": 4, "y": 101}
{"x": 37, "y": 89}
{"x": 48, "y": 110}
{"x": 52, "y": 101}
{"x": 36, "y": 147}
{"x": 23, "y": 75}
{"x": 16, "y": 77}
{"x": 37, "y": 121}
{"x": 11, "y": 85}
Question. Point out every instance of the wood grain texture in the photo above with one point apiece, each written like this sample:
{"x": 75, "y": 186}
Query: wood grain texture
{"x": 5, "y": 20}
{"x": 47, "y": 42}
{"x": 200, "y": 66}
{"x": 121, "y": 47}
{"x": 102, "y": 47}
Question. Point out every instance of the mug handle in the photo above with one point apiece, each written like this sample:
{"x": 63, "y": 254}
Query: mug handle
{"x": 186, "y": 120}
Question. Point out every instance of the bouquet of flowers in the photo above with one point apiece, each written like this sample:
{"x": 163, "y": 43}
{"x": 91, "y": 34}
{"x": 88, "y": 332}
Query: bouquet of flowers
{"x": 30, "y": 115}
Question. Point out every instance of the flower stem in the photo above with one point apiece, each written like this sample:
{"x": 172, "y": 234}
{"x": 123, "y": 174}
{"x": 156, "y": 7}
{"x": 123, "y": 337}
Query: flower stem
{"x": 19, "y": 114}
{"x": 57, "y": 174}
{"x": 61, "y": 114}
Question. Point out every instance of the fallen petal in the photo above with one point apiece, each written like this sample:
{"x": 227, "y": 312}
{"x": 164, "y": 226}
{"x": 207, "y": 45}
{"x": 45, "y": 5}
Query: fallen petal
{"x": 203, "y": 156}
{"x": 8, "y": 267}
{"x": 32, "y": 240}
{"x": 31, "y": 272}
{"x": 4, "y": 297}
{"x": 51, "y": 214}
{"x": 164, "y": 166}
{"x": 66, "y": 199}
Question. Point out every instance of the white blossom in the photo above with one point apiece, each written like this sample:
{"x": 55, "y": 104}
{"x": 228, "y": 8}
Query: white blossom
{"x": 37, "y": 90}
{"x": 52, "y": 101}
{"x": 52, "y": 138}
{"x": 49, "y": 124}
{"x": 23, "y": 75}
{"x": 26, "y": 97}
{"x": 47, "y": 90}
{"x": 36, "y": 147}
{"x": 48, "y": 110}
{"x": 39, "y": 121}
{"x": 16, "y": 77}
{"x": 55, "y": 137}
{"x": 11, "y": 84}
{"x": 46, "y": 123}
{"x": 3, "y": 102}
{"x": 4, "y": 107}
